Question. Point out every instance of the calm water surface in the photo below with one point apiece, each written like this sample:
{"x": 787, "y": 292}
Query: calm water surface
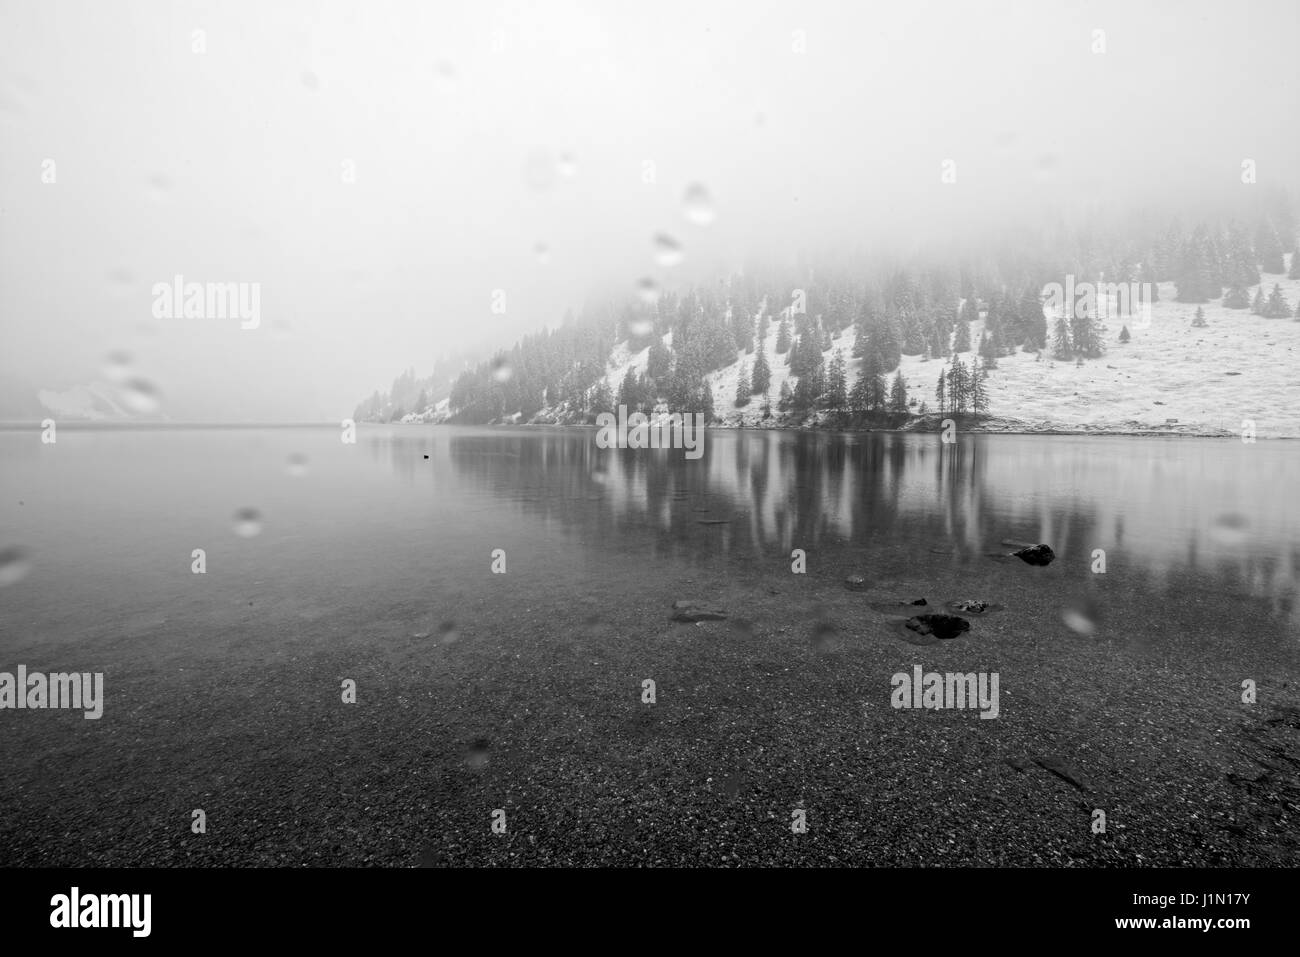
{"x": 108, "y": 520}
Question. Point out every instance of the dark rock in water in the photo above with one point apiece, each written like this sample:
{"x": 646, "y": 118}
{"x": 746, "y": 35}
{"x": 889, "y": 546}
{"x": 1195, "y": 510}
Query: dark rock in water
{"x": 696, "y": 611}
{"x": 971, "y": 605}
{"x": 713, "y": 521}
{"x": 941, "y": 626}
{"x": 918, "y": 601}
{"x": 1020, "y": 764}
{"x": 1062, "y": 770}
{"x": 1036, "y": 555}
{"x": 855, "y": 583}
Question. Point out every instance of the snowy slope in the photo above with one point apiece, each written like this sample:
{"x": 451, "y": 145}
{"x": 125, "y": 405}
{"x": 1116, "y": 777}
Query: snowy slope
{"x": 1240, "y": 367}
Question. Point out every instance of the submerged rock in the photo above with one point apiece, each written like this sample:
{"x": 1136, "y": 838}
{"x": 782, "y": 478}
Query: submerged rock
{"x": 974, "y": 606}
{"x": 1064, "y": 771}
{"x": 1036, "y": 555}
{"x": 918, "y": 601}
{"x": 855, "y": 583}
{"x": 941, "y": 626}
{"x": 696, "y": 611}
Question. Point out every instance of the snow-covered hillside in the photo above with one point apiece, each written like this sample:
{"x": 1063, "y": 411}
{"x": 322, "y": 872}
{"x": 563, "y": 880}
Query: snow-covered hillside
{"x": 1170, "y": 377}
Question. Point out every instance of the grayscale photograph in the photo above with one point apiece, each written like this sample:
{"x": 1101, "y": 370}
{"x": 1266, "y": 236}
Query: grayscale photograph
{"x": 608, "y": 436}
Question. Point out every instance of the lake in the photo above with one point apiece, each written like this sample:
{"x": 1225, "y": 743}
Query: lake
{"x": 500, "y": 596}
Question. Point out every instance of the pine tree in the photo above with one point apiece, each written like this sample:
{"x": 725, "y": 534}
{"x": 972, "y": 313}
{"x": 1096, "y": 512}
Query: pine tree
{"x": 1236, "y": 298}
{"x": 1294, "y": 271}
{"x": 836, "y": 383}
{"x": 786, "y": 398}
{"x": 761, "y": 377}
{"x": 743, "y": 390}
{"x": 1268, "y": 248}
{"x": 898, "y": 394}
{"x": 783, "y": 337}
{"x": 1124, "y": 335}
{"x": 602, "y": 398}
{"x": 987, "y": 351}
{"x": 1257, "y": 304}
{"x": 962, "y": 341}
{"x": 940, "y": 396}
{"x": 958, "y": 387}
{"x": 1061, "y": 340}
{"x": 1277, "y": 307}
{"x": 979, "y": 397}
{"x": 1198, "y": 321}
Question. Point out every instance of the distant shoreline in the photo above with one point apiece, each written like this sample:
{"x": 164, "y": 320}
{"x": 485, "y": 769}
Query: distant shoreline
{"x": 931, "y": 425}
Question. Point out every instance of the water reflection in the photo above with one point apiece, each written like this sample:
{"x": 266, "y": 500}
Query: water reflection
{"x": 1159, "y": 509}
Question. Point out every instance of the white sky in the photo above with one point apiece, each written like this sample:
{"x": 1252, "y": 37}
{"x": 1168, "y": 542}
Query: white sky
{"x": 226, "y": 166}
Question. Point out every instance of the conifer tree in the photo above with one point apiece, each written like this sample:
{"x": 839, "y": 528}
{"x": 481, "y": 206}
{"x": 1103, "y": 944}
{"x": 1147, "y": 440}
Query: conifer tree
{"x": 1061, "y": 340}
{"x": 1277, "y": 307}
{"x": 1198, "y": 320}
{"x": 836, "y": 383}
{"x": 940, "y": 394}
{"x": 1257, "y": 304}
{"x": 761, "y": 377}
{"x": 783, "y": 336}
{"x": 1124, "y": 335}
{"x": 979, "y": 397}
{"x": 743, "y": 390}
{"x": 1236, "y": 298}
{"x": 961, "y": 343}
{"x": 898, "y": 394}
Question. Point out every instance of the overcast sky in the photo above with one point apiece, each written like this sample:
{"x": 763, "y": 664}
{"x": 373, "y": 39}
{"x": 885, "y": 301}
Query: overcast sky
{"x": 478, "y": 131}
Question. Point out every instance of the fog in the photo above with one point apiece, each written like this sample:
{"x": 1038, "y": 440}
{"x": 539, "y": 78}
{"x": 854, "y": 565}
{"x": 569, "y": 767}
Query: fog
{"x": 381, "y": 169}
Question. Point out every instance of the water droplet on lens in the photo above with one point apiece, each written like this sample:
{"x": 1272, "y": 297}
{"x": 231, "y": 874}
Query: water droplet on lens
{"x": 117, "y": 366}
{"x": 297, "y": 465}
{"x": 140, "y": 396}
{"x": 640, "y": 328}
{"x": 668, "y": 251}
{"x": 248, "y": 523}
{"x": 159, "y": 184}
{"x": 444, "y": 76}
{"x": 448, "y": 633}
{"x": 697, "y": 205}
{"x": 648, "y": 291}
{"x": 566, "y": 166}
{"x": 543, "y": 253}
{"x": 476, "y": 755}
{"x": 501, "y": 370}
{"x": 310, "y": 80}
{"x": 15, "y": 563}
{"x": 1230, "y": 529}
{"x": 539, "y": 171}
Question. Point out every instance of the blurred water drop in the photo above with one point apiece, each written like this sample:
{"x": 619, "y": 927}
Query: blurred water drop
{"x": 141, "y": 396}
{"x": 543, "y": 253}
{"x": 281, "y": 329}
{"x": 501, "y": 370}
{"x": 640, "y": 328}
{"x": 539, "y": 171}
{"x": 444, "y": 76}
{"x": 297, "y": 465}
{"x": 310, "y": 80}
{"x": 159, "y": 184}
{"x": 476, "y": 755}
{"x": 1078, "y": 621}
{"x": 15, "y": 563}
{"x": 697, "y": 205}
{"x": 117, "y": 366}
{"x": 648, "y": 291}
{"x": 566, "y": 166}
{"x": 448, "y": 633}
{"x": 668, "y": 251}
{"x": 248, "y": 523}
{"x": 1230, "y": 529}
{"x": 823, "y": 635}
